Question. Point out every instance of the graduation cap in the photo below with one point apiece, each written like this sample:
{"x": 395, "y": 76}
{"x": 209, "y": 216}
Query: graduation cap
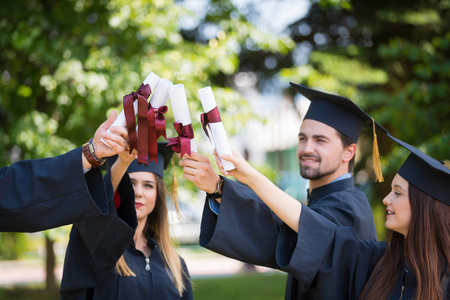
{"x": 344, "y": 116}
{"x": 164, "y": 155}
{"x": 425, "y": 173}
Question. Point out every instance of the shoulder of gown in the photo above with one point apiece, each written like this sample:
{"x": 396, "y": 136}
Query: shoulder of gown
{"x": 331, "y": 258}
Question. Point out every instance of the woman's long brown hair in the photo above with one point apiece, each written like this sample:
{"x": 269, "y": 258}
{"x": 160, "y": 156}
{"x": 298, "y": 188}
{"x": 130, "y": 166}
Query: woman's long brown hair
{"x": 158, "y": 223}
{"x": 426, "y": 250}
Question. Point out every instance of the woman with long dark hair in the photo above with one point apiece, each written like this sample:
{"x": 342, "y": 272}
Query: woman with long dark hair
{"x": 140, "y": 263}
{"x": 412, "y": 264}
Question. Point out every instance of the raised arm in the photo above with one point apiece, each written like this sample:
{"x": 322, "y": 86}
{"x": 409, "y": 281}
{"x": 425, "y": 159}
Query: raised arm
{"x": 45, "y": 193}
{"x": 284, "y": 206}
{"x": 124, "y": 159}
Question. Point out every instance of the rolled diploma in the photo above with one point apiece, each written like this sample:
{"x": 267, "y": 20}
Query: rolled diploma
{"x": 160, "y": 96}
{"x": 152, "y": 79}
{"x": 218, "y": 134}
{"x": 180, "y": 108}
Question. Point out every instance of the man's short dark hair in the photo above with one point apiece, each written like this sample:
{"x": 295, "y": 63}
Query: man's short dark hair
{"x": 346, "y": 141}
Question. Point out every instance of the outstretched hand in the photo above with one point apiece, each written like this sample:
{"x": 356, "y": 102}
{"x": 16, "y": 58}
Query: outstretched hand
{"x": 117, "y": 142}
{"x": 243, "y": 171}
{"x": 125, "y": 155}
{"x": 197, "y": 168}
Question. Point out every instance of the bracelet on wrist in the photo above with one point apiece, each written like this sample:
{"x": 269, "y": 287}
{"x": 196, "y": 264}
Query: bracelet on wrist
{"x": 219, "y": 189}
{"x": 89, "y": 153}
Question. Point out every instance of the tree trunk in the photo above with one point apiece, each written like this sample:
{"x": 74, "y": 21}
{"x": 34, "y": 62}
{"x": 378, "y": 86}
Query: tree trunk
{"x": 50, "y": 280}
{"x": 248, "y": 268}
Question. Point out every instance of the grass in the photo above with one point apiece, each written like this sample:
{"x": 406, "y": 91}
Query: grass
{"x": 257, "y": 286}
{"x": 260, "y": 286}
{"x": 27, "y": 293}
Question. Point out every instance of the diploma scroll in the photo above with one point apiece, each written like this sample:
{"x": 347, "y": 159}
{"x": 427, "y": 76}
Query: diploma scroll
{"x": 155, "y": 115}
{"x": 183, "y": 123}
{"x": 218, "y": 134}
{"x": 152, "y": 80}
{"x": 161, "y": 94}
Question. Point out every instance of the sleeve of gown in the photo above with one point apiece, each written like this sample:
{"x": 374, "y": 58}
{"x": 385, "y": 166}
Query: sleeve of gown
{"x": 96, "y": 245}
{"x": 187, "y": 294}
{"x": 46, "y": 193}
{"x": 330, "y": 258}
{"x": 245, "y": 228}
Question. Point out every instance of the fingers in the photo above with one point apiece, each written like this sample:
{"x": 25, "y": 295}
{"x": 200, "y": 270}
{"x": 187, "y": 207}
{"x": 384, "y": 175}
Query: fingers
{"x": 117, "y": 143}
{"x": 191, "y": 178}
{"x": 195, "y": 156}
{"x": 111, "y": 118}
{"x": 218, "y": 162}
{"x": 120, "y": 130}
{"x": 115, "y": 139}
{"x": 229, "y": 158}
{"x": 189, "y": 164}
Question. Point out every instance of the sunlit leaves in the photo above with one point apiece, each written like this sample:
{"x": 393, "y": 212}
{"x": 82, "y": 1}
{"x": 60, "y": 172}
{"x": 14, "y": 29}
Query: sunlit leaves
{"x": 422, "y": 17}
{"x": 71, "y": 62}
{"x": 35, "y": 134}
{"x": 348, "y": 70}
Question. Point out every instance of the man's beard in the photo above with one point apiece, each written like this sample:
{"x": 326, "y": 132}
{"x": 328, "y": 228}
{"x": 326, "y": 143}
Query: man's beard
{"x": 314, "y": 173}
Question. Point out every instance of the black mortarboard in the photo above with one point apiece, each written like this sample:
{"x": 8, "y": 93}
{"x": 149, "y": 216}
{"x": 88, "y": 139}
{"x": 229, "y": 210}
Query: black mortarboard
{"x": 336, "y": 111}
{"x": 425, "y": 173}
{"x": 344, "y": 116}
{"x": 164, "y": 155}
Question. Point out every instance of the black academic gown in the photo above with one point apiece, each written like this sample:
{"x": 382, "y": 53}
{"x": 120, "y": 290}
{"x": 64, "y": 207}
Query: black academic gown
{"x": 46, "y": 193}
{"x": 150, "y": 283}
{"x": 335, "y": 260}
{"x": 246, "y": 229}
{"x": 96, "y": 245}
{"x": 345, "y": 205}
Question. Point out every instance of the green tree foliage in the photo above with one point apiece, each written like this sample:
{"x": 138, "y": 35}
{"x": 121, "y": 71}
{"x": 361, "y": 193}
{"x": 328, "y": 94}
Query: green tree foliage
{"x": 12, "y": 245}
{"x": 66, "y": 64}
{"x": 390, "y": 57}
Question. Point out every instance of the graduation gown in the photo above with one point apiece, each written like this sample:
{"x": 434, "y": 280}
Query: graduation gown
{"x": 335, "y": 260}
{"x": 50, "y": 192}
{"x": 345, "y": 205}
{"x": 246, "y": 229}
{"x": 151, "y": 282}
{"x": 96, "y": 245}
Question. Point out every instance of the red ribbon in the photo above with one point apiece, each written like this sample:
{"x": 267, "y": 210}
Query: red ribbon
{"x": 212, "y": 116}
{"x": 156, "y": 128}
{"x": 141, "y": 96}
{"x": 182, "y": 143}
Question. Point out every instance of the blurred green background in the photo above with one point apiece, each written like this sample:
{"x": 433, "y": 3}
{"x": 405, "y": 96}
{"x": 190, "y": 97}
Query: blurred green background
{"x": 65, "y": 65}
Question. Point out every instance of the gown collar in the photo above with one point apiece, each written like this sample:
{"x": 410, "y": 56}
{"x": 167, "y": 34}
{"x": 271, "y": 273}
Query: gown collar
{"x": 332, "y": 187}
{"x": 151, "y": 240}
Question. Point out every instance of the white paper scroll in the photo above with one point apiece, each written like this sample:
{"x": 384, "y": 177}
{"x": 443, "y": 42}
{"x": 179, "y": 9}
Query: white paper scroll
{"x": 180, "y": 108}
{"x": 160, "y": 95}
{"x": 152, "y": 79}
{"x": 218, "y": 134}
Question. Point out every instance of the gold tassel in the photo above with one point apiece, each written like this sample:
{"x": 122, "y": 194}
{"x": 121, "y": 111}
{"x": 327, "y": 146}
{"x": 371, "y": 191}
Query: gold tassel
{"x": 174, "y": 193}
{"x": 376, "y": 157}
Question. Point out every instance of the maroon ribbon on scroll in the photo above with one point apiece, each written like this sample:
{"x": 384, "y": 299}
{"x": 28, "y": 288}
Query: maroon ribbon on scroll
{"x": 156, "y": 128}
{"x": 212, "y": 116}
{"x": 182, "y": 143}
{"x": 140, "y": 144}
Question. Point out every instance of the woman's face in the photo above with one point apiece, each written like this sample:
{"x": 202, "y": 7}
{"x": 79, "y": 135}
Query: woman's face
{"x": 144, "y": 184}
{"x": 397, "y": 206}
